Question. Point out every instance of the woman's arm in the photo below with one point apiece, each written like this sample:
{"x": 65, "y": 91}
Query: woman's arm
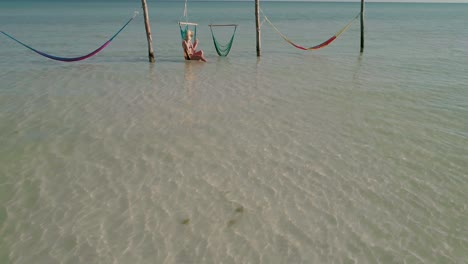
{"x": 195, "y": 44}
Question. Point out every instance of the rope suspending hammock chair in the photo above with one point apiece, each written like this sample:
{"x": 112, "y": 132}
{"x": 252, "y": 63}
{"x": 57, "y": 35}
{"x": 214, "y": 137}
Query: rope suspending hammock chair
{"x": 72, "y": 59}
{"x": 319, "y": 46}
{"x": 223, "y": 50}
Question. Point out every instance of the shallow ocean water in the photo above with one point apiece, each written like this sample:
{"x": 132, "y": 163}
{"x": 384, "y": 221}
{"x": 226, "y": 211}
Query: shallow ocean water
{"x": 294, "y": 157}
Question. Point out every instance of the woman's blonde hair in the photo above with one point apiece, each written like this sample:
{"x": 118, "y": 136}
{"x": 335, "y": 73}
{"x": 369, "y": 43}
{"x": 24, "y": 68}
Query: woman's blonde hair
{"x": 188, "y": 33}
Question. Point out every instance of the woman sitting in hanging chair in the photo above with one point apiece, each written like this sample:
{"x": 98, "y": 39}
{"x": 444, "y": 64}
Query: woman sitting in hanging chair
{"x": 190, "y": 52}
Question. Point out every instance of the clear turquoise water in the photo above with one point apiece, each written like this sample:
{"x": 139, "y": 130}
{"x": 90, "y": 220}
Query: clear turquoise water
{"x": 295, "y": 157}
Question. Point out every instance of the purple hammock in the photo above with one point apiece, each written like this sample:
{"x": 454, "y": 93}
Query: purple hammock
{"x": 75, "y": 58}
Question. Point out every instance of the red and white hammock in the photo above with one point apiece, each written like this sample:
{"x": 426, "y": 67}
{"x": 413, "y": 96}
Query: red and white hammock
{"x": 319, "y": 46}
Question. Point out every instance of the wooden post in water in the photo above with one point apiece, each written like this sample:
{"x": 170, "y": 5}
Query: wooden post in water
{"x": 257, "y": 26}
{"x": 362, "y": 26}
{"x": 148, "y": 31}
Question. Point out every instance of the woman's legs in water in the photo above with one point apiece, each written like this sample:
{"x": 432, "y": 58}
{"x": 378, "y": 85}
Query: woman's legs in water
{"x": 198, "y": 55}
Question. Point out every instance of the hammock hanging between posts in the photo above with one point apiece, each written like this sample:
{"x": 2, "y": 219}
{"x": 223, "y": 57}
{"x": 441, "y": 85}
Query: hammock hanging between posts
{"x": 72, "y": 59}
{"x": 319, "y": 46}
{"x": 223, "y": 50}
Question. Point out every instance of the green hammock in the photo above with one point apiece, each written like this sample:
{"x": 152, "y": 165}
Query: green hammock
{"x": 223, "y": 50}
